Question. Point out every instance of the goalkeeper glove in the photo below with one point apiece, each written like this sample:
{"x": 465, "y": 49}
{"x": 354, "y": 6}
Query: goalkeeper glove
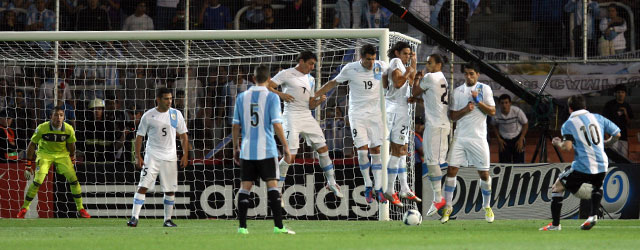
{"x": 28, "y": 171}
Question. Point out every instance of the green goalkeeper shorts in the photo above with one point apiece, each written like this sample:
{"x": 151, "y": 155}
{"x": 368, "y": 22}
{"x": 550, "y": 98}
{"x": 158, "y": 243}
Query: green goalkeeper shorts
{"x": 63, "y": 166}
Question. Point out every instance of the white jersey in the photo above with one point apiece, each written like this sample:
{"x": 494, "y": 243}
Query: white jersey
{"x": 472, "y": 125}
{"x": 298, "y": 85}
{"x": 161, "y": 128}
{"x": 364, "y": 87}
{"x": 436, "y": 100}
{"x": 397, "y": 98}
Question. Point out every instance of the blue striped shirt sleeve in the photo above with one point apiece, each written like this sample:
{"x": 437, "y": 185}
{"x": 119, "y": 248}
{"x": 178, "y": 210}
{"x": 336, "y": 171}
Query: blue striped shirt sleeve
{"x": 237, "y": 112}
{"x": 274, "y": 108}
{"x": 608, "y": 126}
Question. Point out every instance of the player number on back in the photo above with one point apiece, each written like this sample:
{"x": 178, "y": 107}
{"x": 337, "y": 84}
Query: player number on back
{"x": 592, "y": 136}
{"x": 255, "y": 117}
{"x": 368, "y": 84}
{"x": 444, "y": 98}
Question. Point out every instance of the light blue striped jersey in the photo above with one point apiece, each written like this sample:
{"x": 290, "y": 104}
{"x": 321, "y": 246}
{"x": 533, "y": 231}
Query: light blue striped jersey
{"x": 256, "y": 110}
{"x": 586, "y": 131}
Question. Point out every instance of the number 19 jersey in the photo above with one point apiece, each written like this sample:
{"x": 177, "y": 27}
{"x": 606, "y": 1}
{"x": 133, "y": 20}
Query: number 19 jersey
{"x": 436, "y": 100}
{"x": 364, "y": 87}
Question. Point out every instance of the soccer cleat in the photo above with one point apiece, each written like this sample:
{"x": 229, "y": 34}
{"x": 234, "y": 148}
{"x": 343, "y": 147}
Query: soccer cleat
{"x": 169, "y": 223}
{"x": 445, "y": 214}
{"x": 368, "y": 194}
{"x": 489, "y": 214}
{"x": 335, "y": 189}
{"x": 133, "y": 222}
{"x": 22, "y": 213}
{"x": 435, "y": 206}
{"x": 84, "y": 214}
{"x": 589, "y": 223}
{"x": 282, "y": 230}
{"x": 410, "y": 195}
{"x": 551, "y": 227}
{"x": 242, "y": 230}
{"x": 393, "y": 198}
{"x": 380, "y": 196}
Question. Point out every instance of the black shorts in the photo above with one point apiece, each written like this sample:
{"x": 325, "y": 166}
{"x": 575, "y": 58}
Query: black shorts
{"x": 572, "y": 180}
{"x": 266, "y": 169}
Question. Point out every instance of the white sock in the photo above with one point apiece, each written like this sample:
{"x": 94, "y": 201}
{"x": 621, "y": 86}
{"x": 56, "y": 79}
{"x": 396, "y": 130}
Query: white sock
{"x": 283, "y": 167}
{"x": 402, "y": 174}
{"x": 449, "y": 188}
{"x": 392, "y": 172}
{"x": 138, "y": 201}
{"x": 435, "y": 177}
{"x": 363, "y": 160}
{"x": 485, "y": 186}
{"x": 376, "y": 168}
{"x": 169, "y": 200}
{"x": 327, "y": 167}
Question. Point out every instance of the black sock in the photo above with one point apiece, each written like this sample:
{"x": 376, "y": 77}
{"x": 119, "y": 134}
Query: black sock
{"x": 556, "y": 206}
{"x": 596, "y": 196}
{"x": 274, "y": 203}
{"x": 243, "y": 206}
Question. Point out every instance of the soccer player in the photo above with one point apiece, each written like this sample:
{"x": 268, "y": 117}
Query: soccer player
{"x": 400, "y": 80}
{"x": 298, "y": 87}
{"x": 434, "y": 90}
{"x": 364, "y": 78}
{"x": 584, "y": 131}
{"x": 256, "y": 116}
{"x": 161, "y": 124}
{"x": 470, "y": 105}
{"x": 56, "y": 145}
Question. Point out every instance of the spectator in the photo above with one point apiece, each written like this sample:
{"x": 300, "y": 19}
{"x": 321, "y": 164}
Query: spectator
{"x": 8, "y": 146}
{"x": 342, "y": 18}
{"x": 41, "y": 18}
{"x": 68, "y": 9}
{"x": 194, "y": 94}
{"x": 375, "y": 17}
{"x": 269, "y": 19}
{"x": 297, "y": 14}
{"x": 612, "y": 27}
{"x": 109, "y": 75}
{"x": 254, "y": 15}
{"x": 5, "y": 96}
{"x": 24, "y": 118}
{"x": 593, "y": 13}
{"x": 67, "y": 106}
{"x": 165, "y": 11}
{"x": 140, "y": 90}
{"x": 510, "y": 125}
{"x": 177, "y": 23}
{"x": 422, "y": 10}
{"x": 484, "y": 5}
{"x": 620, "y": 113}
{"x": 419, "y": 155}
{"x": 46, "y": 89}
{"x": 10, "y": 21}
{"x": 139, "y": 20}
{"x": 214, "y": 16}
{"x": 236, "y": 85}
{"x": 441, "y": 17}
{"x": 92, "y": 17}
{"x": 115, "y": 13}
{"x": 547, "y": 16}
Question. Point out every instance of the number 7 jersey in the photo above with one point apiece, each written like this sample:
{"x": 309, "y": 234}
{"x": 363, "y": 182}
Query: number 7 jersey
{"x": 364, "y": 86}
{"x": 586, "y": 131}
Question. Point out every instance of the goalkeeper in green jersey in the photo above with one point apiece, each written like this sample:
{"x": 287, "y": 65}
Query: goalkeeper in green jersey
{"x": 56, "y": 145}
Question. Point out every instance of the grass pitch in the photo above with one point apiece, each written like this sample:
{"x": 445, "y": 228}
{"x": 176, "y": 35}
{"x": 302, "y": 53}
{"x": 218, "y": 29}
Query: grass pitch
{"x": 221, "y": 234}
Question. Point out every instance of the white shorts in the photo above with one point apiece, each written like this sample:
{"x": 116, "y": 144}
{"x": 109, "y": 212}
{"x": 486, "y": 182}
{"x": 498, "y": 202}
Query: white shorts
{"x": 435, "y": 144}
{"x": 367, "y": 130}
{"x": 398, "y": 125}
{"x": 168, "y": 171}
{"x": 469, "y": 152}
{"x": 295, "y": 125}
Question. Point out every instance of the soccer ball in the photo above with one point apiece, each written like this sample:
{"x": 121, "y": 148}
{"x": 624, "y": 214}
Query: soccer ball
{"x": 412, "y": 218}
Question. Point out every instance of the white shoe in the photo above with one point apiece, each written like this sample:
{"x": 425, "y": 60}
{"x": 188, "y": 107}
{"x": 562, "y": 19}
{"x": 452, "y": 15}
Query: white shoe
{"x": 410, "y": 195}
{"x": 589, "y": 223}
{"x": 336, "y": 190}
{"x": 551, "y": 227}
{"x": 489, "y": 216}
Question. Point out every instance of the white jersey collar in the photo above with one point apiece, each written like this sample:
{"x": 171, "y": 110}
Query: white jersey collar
{"x": 258, "y": 87}
{"x": 578, "y": 112}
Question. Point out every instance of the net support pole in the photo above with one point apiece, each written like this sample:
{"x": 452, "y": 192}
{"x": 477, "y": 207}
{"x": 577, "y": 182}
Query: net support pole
{"x": 383, "y": 208}
{"x": 584, "y": 31}
{"x": 318, "y": 56}
{"x": 186, "y": 67}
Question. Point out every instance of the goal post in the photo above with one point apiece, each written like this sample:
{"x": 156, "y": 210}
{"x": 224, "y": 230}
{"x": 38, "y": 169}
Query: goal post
{"x": 101, "y": 65}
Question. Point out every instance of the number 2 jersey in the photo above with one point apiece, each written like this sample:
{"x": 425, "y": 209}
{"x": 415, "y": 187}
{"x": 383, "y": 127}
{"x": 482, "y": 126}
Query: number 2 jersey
{"x": 364, "y": 87}
{"x": 161, "y": 128}
{"x": 586, "y": 131}
{"x": 435, "y": 97}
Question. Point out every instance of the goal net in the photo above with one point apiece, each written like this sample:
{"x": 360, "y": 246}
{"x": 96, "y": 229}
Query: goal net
{"x": 107, "y": 80}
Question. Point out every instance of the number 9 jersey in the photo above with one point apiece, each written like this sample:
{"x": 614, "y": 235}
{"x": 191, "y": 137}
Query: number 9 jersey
{"x": 161, "y": 128}
{"x": 586, "y": 131}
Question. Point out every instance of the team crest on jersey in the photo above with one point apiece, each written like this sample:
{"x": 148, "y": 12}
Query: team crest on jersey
{"x": 173, "y": 117}
{"x": 377, "y": 71}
